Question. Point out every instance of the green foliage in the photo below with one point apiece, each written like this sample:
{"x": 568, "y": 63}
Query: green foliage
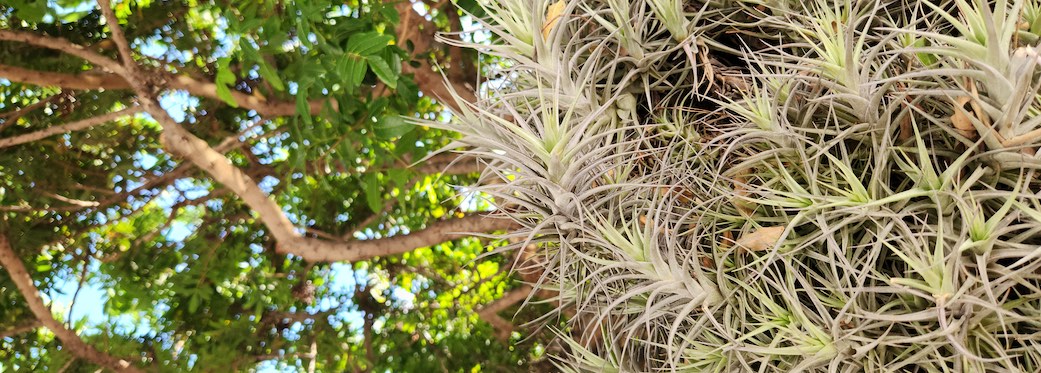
{"x": 721, "y": 186}
{"x": 191, "y": 280}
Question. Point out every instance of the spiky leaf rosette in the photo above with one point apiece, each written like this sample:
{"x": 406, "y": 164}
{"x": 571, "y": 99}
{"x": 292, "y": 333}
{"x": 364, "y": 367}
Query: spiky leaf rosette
{"x": 772, "y": 186}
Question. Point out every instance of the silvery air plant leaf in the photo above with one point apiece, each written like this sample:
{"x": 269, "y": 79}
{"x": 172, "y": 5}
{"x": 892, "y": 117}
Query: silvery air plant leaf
{"x": 747, "y": 186}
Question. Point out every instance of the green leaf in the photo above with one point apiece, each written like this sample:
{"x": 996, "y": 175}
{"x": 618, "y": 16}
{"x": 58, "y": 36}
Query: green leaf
{"x": 302, "y": 106}
{"x": 31, "y": 11}
{"x": 79, "y": 324}
{"x": 352, "y": 71}
{"x": 304, "y": 29}
{"x": 367, "y": 43}
{"x": 224, "y": 79}
{"x": 193, "y": 302}
{"x": 373, "y": 192}
{"x": 398, "y": 176}
{"x": 391, "y": 14}
{"x": 406, "y": 144}
{"x": 271, "y": 76}
{"x": 395, "y": 63}
{"x": 252, "y": 56}
{"x": 391, "y": 126}
{"x": 408, "y": 91}
{"x": 383, "y": 71}
{"x": 250, "y": 24}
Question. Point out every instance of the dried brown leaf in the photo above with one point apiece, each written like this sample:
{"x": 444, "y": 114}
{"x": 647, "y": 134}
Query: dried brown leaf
{"x": 761, "y": 239}
{"x": 553, "y": 13}
{"x": 961, "y": 120}
{"x": 740, "y": 180}
{"x": 728, "y": 238}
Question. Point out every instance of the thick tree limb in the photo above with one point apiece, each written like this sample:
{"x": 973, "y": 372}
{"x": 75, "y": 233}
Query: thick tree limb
{"x": 422, "y": 33}
{"x": 83, "y": 81}
{"x": 70, "y": 341}
{"x": 186, "y": 145}
{"x": 444, "y": 163}
{"x": 68, "y": 127}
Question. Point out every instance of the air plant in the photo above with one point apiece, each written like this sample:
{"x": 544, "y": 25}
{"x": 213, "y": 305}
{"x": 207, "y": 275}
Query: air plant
{"x": 741, "y": 185}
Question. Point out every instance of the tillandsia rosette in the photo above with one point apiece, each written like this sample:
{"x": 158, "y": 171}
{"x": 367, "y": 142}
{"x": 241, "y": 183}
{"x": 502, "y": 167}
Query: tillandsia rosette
{"x": 771, "y": 186}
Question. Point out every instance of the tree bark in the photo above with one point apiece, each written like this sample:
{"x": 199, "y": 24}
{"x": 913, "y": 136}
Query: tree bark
{"x": 422, "y": 34}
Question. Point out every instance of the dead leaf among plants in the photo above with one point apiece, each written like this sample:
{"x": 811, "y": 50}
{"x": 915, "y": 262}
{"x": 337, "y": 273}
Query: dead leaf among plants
{"x": 553, "y": 13}
{"x": 761, "y": 239}
{"x": 740, "y": 181}
{"x": 961, "y": 120}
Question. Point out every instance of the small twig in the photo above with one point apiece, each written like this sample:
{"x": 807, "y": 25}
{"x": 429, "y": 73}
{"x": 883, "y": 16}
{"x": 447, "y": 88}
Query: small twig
{"x": 68, "y": 127}
{"x": 21, "y": 328}
{"x": 79, "y": 287}
{"x": 313, "y": 355}
{"x": 11, "y": 117}
{"x": 65, "y": 367}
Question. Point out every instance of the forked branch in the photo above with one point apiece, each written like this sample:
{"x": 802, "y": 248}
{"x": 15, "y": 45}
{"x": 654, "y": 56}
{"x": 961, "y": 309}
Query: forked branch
{"x": 183, "y": 143}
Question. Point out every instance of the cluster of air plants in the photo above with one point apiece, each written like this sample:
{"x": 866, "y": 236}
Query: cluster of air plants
{"x": 772, "y": 186}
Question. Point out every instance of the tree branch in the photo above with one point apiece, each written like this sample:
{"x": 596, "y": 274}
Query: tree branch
{"x": 102, "y": 80}
{"x": 146, "y": 184}
{"x": 12, "y": 116}
{"x": 262, "y": 106}
{"x": 449, "y": 164}
{"x": 438, "y": 232}
{"x": 510, "y": 298}
{"x": 72, "y": 342}
{"x": 313, "y": 355}
{"x": 21, "y": 328}
{"x": 122, "y": 44}
{"x": 183, "y": 143}
{"x": 422, "y": 33}
{"x": 63, "y": 45}
{"x": 463, "y": 67}
{"x": 370, "y": 352}
{"x": 83, "y": 81}
{"x": 69, "y": 127}
{"x": 490, "y": 312}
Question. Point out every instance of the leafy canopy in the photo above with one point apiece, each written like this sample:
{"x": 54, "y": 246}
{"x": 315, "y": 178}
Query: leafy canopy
{"x": 309, "y": 100}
